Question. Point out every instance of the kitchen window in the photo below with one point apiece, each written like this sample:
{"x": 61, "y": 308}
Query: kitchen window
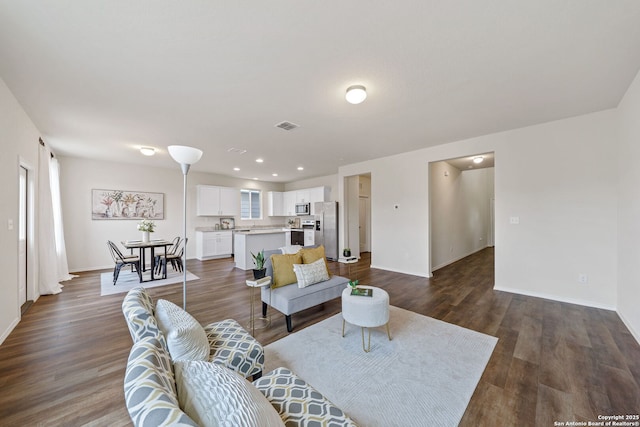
{"x": 250, "y": 206}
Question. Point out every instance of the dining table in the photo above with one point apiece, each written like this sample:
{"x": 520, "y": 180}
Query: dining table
{"x": 151, "y": 245}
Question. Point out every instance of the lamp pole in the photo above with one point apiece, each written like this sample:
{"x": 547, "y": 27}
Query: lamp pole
{"x": 185, "y": 156}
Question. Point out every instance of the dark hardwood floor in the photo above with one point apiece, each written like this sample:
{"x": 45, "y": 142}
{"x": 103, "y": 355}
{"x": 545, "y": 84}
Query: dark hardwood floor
{"x": 63, "y": 365}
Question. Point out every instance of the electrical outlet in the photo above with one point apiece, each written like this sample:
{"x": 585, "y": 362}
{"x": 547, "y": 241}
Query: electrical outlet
{"x": 583, "y": 279}
{"x": 514, "y": 220}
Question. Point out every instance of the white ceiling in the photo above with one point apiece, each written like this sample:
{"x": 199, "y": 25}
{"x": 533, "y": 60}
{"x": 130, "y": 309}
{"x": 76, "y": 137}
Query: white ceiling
{"x": 100, "y": 78}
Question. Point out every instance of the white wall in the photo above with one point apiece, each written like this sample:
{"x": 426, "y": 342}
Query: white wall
{"x": 459, "y": 208}
{"x": 86, "y": 238}
{"x": 560, "y": 178}
{"x": 629, "y": 209}
{"x": 19, "y": 143}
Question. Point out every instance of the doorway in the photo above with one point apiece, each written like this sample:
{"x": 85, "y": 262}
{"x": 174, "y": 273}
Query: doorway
{"x": 364, "y": 223}
{"x": 461, "y": 208}
{"x": 357, "y": 213}
{"x": 23, "y": 239}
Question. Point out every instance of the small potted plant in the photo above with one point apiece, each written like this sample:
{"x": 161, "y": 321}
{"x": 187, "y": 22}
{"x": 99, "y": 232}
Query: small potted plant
{"x": 346, "y": 252}
{"x": 353, "y": 284}
{"x": 258, "y": 259}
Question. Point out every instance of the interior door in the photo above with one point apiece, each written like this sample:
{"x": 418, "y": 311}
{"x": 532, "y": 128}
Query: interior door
{"x": 22, "y": 238}
{"x": 363, "y": 227}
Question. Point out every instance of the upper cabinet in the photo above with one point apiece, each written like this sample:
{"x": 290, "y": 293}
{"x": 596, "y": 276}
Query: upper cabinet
{"x": 284, "y": 203}
{"x": 289, "y": 203}
{"x": 318, "y": 194}
{"x": 275, "y": 203}
{"x": 217, "y": 201}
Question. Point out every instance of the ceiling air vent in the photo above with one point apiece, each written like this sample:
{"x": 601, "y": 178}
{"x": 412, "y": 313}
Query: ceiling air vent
{"x": 287, "y": 125}
{"x": 236, "y": 150}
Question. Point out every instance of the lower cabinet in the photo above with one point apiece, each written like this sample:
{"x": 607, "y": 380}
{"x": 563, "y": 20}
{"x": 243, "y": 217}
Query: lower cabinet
{"x": 213, "y": 244}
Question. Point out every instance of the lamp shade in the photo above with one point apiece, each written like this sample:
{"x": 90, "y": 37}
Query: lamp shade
{"x": 184, "y": 155}
{"x": 356, "y": 94}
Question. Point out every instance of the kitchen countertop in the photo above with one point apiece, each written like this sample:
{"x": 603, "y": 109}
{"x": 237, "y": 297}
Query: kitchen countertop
{"x": 207, "y": 229}
{"x": 262, "y": 231}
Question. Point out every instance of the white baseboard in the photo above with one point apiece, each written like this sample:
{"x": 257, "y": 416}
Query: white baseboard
{"x": 444, "y": 264}
{"x": 634, "y": 333}
{"x": 7, "y": 331}
{"x": 554, "y": 298}
{"x": 413, "y": 273}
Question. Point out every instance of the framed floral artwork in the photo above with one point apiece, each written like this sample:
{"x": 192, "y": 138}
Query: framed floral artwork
{"x": 121, "y": 204}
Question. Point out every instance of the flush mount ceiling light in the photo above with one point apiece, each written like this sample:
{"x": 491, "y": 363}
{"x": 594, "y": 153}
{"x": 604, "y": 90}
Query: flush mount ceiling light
{"x": 478, "y": 159}
{"x": 356, "y": 94}
{"x": 259, "y": 160}
{"x": 148, "y": 151}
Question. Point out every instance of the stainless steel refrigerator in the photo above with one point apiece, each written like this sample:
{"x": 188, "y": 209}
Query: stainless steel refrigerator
{"x": 326, "y": 233}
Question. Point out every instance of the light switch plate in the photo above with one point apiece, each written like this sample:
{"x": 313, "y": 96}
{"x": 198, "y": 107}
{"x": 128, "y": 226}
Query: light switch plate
{"x": 514, "y": 220}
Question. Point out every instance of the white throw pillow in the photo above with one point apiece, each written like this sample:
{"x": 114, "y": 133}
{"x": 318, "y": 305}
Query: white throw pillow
{"x": 213, "y": 395}
{"x": 308, "y": 274}
{"x": 291, "y": 249}
{"x": 185, "y": 337}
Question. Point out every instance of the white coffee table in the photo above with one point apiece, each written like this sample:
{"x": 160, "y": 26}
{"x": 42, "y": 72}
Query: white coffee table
{"x": 366, "y": 312}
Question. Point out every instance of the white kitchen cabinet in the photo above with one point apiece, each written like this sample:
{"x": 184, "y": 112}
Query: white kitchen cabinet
{"x": 289, "y": 203}
{"x": 275, "y": 204}
{"x": 284, "y": 203}
{"x": 302, "y": 196}
{"x": 318, "y": 194}
{"x": 217, "y": 201}
{"x": 213, "y": 244}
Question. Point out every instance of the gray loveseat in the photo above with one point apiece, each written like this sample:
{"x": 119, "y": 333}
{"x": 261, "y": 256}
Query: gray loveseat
{"x": 291, "y": 299}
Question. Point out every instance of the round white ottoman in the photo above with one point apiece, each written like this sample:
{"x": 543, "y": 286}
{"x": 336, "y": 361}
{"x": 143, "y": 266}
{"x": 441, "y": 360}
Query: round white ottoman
{"x": 366, "y": 312}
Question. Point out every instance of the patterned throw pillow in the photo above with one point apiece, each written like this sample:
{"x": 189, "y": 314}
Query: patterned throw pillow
{"x": 213, "y": 395}
{"x": 185, "y": 337}
{"x": 283, "y": 269}
{"x": 310, "y": 255}
{"x": 309, "y": 274}
{"x": 149, "y": 387}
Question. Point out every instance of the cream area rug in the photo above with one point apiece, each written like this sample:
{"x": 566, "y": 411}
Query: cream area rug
{"x": 128, "y": 280}
{"x": 424, "y": 376}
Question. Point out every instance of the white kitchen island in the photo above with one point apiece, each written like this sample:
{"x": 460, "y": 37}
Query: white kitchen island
{"x": 246, "y": 242}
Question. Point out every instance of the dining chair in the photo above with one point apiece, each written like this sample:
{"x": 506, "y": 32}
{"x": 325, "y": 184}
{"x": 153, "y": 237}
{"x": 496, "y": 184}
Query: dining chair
{"x": 171, "y": 249}
{"x": 121, "y": 260}
{"x": 174, "y": 258}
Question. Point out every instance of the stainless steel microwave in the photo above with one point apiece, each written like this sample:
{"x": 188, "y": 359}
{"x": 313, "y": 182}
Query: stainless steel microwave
{"x": 303, "y": 208}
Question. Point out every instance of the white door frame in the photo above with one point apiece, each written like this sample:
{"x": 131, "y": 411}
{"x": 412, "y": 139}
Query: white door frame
{"x": 29, "y": 228}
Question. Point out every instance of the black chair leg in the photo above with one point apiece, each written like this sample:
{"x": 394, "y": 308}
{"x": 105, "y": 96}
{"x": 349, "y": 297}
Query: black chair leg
{"x": 288, "y": 319}
{"x": 264, "y": 309}
{"x": 116, "y": 273}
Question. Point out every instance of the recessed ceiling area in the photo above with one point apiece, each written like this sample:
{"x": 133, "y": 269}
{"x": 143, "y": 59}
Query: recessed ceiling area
{"x": 100, "y": 80}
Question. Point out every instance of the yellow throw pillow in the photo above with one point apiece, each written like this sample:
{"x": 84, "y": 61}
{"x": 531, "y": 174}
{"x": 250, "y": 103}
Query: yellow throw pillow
{"x": 283, "y": 273}
{"x": 314, "y": 254}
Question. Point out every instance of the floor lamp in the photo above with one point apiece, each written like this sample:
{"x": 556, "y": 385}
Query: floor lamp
{"x": 186, "y": 156}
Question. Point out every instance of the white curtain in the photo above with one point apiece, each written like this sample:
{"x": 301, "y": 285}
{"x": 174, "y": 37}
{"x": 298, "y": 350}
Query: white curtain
{"x": 56, "y": 201}
{"x": 52, "y": 267}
